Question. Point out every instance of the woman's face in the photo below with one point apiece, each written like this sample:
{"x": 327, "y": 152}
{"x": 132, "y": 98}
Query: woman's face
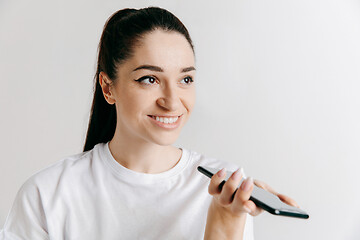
{"x": 154, "y": 93}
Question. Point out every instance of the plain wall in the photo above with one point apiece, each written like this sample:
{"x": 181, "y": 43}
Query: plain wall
{"x": 277, "y": 93}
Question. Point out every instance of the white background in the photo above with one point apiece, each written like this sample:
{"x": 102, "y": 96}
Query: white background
{"x": 277, "y": 93}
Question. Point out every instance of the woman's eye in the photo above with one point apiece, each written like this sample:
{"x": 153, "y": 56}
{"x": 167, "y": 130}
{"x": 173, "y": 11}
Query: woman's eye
{"x": 187, "y": 80}
{"x": 147, "y": 80}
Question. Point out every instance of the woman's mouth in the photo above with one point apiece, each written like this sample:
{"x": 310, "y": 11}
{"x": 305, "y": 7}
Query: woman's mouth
{"x": 168, "y": 122}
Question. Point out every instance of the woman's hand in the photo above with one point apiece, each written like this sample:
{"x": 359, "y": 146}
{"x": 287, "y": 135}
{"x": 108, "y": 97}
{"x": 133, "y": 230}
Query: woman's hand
{"x": 224, "y": 197}
{"x": 229, "y": 207}
{"x": 227, "y": 211}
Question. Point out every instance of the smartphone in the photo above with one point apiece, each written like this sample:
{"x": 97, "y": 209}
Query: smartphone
{"x": 262, "y": 198}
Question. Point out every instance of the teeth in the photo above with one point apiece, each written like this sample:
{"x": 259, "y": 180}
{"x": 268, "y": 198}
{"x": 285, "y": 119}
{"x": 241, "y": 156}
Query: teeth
{"x": 165, "y": 120}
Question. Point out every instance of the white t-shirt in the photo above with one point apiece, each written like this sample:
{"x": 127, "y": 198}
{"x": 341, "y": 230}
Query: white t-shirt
{"x": 91, "y": 196}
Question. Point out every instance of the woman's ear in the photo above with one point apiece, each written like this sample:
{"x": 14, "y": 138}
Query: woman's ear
{"x": 106, "y": 85}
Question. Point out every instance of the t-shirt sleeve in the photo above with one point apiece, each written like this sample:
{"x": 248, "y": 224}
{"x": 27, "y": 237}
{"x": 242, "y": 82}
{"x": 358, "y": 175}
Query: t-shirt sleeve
{"x": 26, "y": 219}
{"x": 249, "y": 228}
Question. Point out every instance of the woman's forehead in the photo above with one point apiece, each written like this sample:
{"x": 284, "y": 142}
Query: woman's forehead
{"x": 165, "y": 49}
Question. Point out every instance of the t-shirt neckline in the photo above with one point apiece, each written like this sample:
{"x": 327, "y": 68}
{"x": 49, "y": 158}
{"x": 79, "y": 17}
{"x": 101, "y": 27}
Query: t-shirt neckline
{"x": 143, "y": 178}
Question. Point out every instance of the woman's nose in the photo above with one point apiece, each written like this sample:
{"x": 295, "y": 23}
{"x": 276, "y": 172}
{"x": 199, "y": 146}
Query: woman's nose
{"x": 169, "y": 99}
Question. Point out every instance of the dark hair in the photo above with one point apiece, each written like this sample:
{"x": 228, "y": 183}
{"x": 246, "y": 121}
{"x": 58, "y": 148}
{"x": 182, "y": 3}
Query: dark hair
{"x": 121, "y": 32}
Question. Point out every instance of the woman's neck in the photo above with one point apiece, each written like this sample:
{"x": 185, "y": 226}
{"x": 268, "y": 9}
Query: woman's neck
{"x": 142, "y": 156}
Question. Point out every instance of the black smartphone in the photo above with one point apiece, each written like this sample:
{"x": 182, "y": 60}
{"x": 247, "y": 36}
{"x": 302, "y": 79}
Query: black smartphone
{"x": 262, "y": 198}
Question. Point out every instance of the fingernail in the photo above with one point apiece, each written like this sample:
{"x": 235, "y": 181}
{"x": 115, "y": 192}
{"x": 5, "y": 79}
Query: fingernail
{"x": 237, "y": 175}
{"x": 221, "y": 173}
{"x": 246, "y": 185}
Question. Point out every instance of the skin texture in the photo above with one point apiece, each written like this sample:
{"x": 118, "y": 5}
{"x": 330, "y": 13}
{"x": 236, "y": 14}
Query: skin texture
{"x": 142, "y": 146}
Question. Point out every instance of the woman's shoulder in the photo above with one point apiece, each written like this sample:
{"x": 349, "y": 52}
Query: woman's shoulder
{"x": 63, "y": 169}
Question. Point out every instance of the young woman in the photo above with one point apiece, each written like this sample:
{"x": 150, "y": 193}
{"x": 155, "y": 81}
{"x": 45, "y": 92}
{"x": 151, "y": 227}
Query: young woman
{"x": 130, "y": 182}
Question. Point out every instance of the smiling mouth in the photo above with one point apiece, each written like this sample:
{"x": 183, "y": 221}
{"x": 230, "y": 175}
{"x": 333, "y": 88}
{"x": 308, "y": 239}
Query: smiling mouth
{"x": 166, "y": 120}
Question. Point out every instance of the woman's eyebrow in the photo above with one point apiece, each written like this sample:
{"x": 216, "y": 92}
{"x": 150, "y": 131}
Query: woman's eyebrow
{"x": 159, "y": 69}
{"x": 188, "y": 69}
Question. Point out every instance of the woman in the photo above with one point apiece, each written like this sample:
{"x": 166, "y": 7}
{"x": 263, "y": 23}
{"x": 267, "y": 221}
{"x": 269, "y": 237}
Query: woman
{"x": 130, "y": 182}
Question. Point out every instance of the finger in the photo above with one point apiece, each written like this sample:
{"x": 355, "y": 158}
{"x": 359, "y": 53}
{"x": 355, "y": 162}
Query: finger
{"x": 253, "y": 210}
{"x": 241, "y": 199}
{"x": 282, "y": 197}
{"x": 229, "y": 188}
{"x": 288, "y": 200}
{"x": 265, "y": 186}
{"x": 215, "y": 181}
